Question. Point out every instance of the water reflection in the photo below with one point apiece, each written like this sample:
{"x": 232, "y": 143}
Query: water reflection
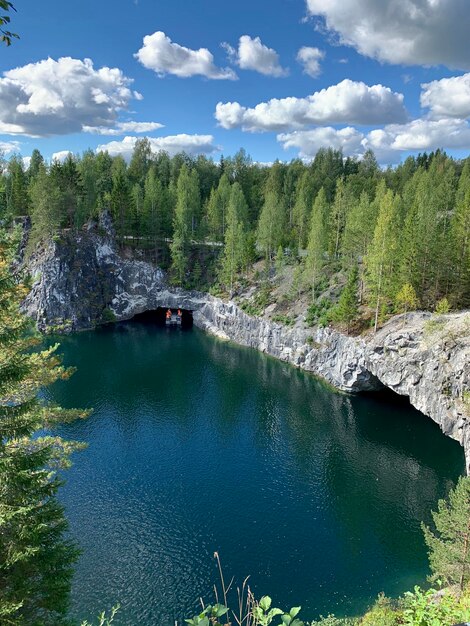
{"x": 197, "y": 445}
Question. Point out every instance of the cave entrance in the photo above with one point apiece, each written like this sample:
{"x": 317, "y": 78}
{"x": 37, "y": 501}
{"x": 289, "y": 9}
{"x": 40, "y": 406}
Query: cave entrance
{"x": 168, "y": 317}
{"x": 388, "y": 396}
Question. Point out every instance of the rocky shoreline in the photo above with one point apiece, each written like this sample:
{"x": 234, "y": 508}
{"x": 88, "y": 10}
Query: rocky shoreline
{"x": 81, "y": 281}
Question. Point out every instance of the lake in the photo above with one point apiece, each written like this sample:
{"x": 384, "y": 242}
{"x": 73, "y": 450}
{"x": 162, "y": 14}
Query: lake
{"x": 197, "y": 446}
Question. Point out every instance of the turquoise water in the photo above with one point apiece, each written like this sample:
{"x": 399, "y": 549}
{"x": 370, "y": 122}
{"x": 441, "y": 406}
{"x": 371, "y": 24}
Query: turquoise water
{"x": 198, "y": 446}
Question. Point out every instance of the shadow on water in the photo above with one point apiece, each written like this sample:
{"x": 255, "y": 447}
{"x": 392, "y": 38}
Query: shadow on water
{"x": 197, "y": 445}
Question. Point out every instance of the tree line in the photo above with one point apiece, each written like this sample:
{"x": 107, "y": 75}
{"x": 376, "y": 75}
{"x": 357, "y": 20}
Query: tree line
{"x": 400, "y": 236}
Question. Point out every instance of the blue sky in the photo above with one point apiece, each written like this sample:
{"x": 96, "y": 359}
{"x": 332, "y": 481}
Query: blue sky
{"x": 346, "y": 73}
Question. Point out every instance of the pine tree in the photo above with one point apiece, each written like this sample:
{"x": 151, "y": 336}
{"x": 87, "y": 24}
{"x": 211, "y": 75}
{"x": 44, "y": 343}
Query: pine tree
{"x": 271, "y": 225}
{"x": 45, "y": 208}
{"x": 317, "y": 240}
{"x": 449, "y": 544}
{"x": 339, "y": 211}
{"x": 461, "y": 245}
{"x": 406, "y": 299}
{"x": 182, "y": 224}
{"x": 36, "y": 557}
{"x": 120, "y": 201}
{"x": 346, "y": 311}
{"x": 382, "y": 257}
{"x": 217, "y": 208}
{"x": 35, "y": 163}
{"x": 302, "y": 208}
{"x": 233, "y": 258}
{"x": 17, "y": 194}
{"x": 140, "y": 161}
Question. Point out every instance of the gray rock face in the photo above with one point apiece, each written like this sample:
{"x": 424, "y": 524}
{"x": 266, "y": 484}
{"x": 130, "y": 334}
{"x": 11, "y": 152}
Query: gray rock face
{"x": 427, "y": 358}
{"x": 81, "y": 277}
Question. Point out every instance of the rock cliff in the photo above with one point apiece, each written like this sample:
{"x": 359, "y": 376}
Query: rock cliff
{"x": 81, "y": 280}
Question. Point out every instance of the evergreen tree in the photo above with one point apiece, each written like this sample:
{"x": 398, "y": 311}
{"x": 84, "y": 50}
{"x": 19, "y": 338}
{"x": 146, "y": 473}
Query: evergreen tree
{"x": 406, "y": 299}
{"x": 449, "y": 543}
{"x": 46, "y": 203}
{"x": 140, "y": 161}
{"x": 35, "y": 163}
{"x": 347, "y": 310}
{"x": 460, "y": 229}
{"x": 318, "y": 240}
{"x": 17, "y": 191}
{"x": 271, "y": 225}
{"x": 182, "y": 224}
{"x": 120, "y": 202}
{"x": 234, "y": 255}
{"x": 36, "y": 557}
{"x": 302, "y": 208}
{"x": 339, "y": 211}
{"x": 382, "y": 257}
{"x": 217, "y": 208}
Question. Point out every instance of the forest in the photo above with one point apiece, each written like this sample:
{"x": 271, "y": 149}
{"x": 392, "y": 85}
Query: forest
{"x": 399, "y": 238}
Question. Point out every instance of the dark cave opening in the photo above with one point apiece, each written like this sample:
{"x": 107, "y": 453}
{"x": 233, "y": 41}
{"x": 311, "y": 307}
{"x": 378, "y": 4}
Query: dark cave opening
{"x": 166, "y": 317}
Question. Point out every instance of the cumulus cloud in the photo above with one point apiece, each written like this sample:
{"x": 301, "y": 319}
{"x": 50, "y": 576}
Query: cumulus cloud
{"x": 410, "y": 32}
{"x": 124, "y": 127}
{"x": 308, "y": 142}
{"x": 60, "y": 97}
{"x": 163, "y": 56}
{"x": 388, "y": 143}
{"x": 8, "y": 147}
{"x": 348, "y": 102}
{"x": 252, "y": 54}
{"x": 173, "y": 144}
{"x": 448, "y": 97}
{"x": 60, "y": 156}
{"x": 310, "y": 59}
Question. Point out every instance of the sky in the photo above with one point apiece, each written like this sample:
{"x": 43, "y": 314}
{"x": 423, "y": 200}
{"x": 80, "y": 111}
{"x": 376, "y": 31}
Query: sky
{"x": 280, "y": 78}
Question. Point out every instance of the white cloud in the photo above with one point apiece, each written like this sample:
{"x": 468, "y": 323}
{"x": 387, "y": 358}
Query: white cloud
{"x": 124, "y": 127}
{"x": 163, "y": 56}
{"x": 7, "y": 147}
{"x": 448, "y": 97}
{"x": 308, "y": 142}
{"x": 412, "y": 32}
{"x": 60, "y": 156}
{"x": 252, "y": 54}
{"x": 422, "y": 134}
{"x": 173, "y": 144}
{"x": 388, "y": 143}
{"x": 60, "y": 97}
{"x": 310, "y": 59}
{"x": 348, "y": 102}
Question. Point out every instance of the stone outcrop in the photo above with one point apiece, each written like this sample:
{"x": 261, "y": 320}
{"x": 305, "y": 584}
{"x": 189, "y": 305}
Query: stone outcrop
{"x": 81, "y": 280}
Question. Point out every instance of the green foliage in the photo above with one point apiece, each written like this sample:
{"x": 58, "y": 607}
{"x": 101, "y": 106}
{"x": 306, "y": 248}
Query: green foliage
{"x": 6, "y": 35}
{"x": 319, "y": 312}
{"x": 406, "y": 299}
{"x": 264, "y": 614}
{"x": 432, "y": 608}
{"x": 209, "y": 616}
{"x": 382, "y": 258}
{"x": 442, "y": 307}
{"x": 408, "y": 226}
{"x": 104, "y": 619}
{"x": 347, "y": 310}
{"x": 108, "y": 316}
{"x": 383, "y": 613}
{"x": 283, "y": 319}
{"x": 449, "y": 542}
{"x": 36, "y": 556}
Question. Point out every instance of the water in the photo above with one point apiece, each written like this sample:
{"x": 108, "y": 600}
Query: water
{"x": 196, "y": 445}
